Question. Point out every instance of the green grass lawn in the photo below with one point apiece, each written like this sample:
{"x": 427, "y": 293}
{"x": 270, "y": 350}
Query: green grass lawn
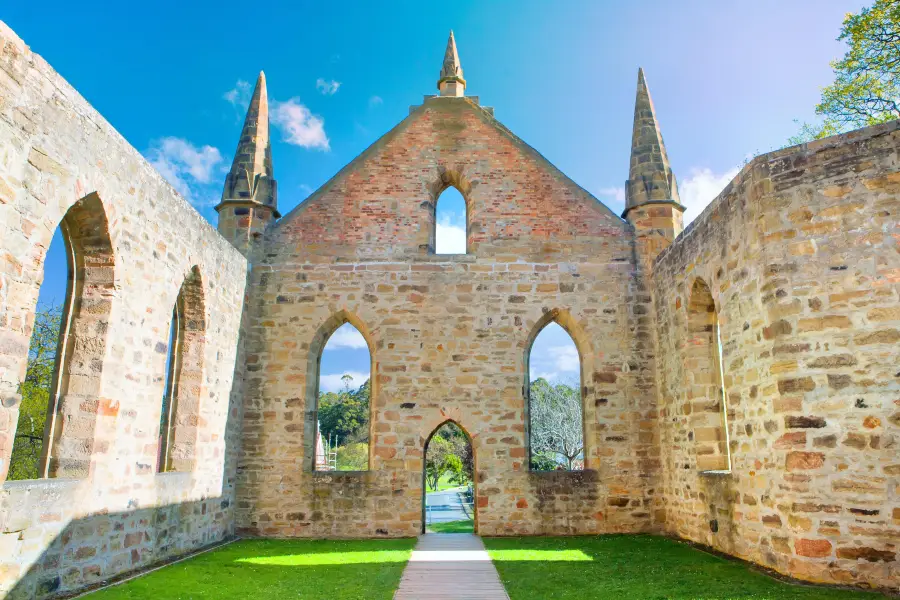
{"x": 465, "y": 526}
{"x": 444, "y": 483}
{"x": 269, "y": 569}
{"x": 635, "y": 567}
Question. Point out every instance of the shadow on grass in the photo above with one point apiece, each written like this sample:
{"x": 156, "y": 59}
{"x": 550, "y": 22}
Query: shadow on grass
{"x": 257, "y": 569}
{"x": 636, "y": 567}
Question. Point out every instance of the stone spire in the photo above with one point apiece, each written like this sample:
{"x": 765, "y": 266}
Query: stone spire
{"x": 250, "y": 198}
{"x": 251, "y": 176}
{"x": 652, "y": 205}
{"x": 650, "y": 177}
{"x": 451, "y": 82}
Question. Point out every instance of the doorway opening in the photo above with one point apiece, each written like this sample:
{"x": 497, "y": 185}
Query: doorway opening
{"x": 448, "y": 481}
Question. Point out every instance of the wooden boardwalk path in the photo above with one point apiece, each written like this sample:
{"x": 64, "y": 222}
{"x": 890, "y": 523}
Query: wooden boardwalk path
{"x": 450, "y": 566}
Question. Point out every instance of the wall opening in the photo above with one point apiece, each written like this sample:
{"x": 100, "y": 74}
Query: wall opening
{"x": 450, "y": 223}
{"x": 57, "y": 414}
{"x": 343, "y": 402}
{"x": 705, "y": 382}
{"x": 40, "y": 375}
{"x": 166, "y": 421}
{"x": 448, "y": 481}
{"x": 183, "y": 383}
{"x": 554, "y": 402}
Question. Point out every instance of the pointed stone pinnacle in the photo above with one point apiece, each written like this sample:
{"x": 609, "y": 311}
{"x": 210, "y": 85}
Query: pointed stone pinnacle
{"x": 451, "y": 82}
{"x": 251, "y": 177}
{"x": 650, "y": 176}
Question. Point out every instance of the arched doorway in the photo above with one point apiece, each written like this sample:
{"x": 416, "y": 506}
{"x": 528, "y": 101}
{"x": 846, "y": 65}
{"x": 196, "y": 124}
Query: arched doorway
{"x": 448, "y": 481}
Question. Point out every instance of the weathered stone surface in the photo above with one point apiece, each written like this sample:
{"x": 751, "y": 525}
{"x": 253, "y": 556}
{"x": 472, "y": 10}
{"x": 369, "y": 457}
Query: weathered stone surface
{"x": 812, "y": 548}
{"x": 810, "y": 348}
{"x": 449, "y": 334}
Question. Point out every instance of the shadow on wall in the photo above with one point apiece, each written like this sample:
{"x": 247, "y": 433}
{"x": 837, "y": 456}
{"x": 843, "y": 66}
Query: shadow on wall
{"x": 93, "y": 550}
{"x": 98, "y": 548}
{"x": 568, "y": 502}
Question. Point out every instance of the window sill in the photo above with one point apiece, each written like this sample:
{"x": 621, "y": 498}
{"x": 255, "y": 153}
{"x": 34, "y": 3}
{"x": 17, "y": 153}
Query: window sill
{"x": 49, "y": 484}
{"x": 341, "y": 473}
{"x": 460, "y": 258}
{"x": 715, "y": 472}
{"x": 173, "y": 475}
{"x": 559, "y": 472}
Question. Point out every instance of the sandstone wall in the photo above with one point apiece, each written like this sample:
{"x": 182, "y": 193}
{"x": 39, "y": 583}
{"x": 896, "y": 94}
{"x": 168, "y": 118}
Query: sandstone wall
{"x": 801, "y": 254}
{"x": 61, "y": 534}
{"x": 449, "y": 337}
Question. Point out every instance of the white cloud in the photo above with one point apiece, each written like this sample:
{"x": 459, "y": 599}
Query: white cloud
{"x": 699, "y": 188}
{"x": 328, "y": 88}
{"x": 617, "y": 194}
{"x": 186, "y": 167}
{"x": 333, "y": 381}
{"x": 375, "y": 101}
{"x": 239, "y": 96}
{"x": 298, "y": 125}
{"x": 565, "y": 357}
{"x": 450, "y": 235}
{"x": 346, "y": 337}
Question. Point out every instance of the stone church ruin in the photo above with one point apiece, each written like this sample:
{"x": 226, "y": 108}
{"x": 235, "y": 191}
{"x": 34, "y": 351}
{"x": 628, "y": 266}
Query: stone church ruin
{"x": 740, "y": 378}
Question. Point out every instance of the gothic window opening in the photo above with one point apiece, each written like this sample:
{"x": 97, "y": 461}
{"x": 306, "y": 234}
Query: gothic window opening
{"x": 182, "y": 388}
{"x": 554, "y": 402}
{"x": 343, "y": 402}
{"x": 704, "y": 374}
{"x": 28, "y": 459}
{"x": 166, "y": 421}
{"x": 450, "y": 223}
{"x": 54, "y": 435}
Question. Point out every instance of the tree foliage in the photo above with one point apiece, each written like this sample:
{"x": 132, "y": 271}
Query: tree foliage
{"x": 866, "y": 88}
{"x": 353, "y": 457}
{"x": 344, "y": 415}
{"x": 35, "y": 390}
{"x": 449, "y": 451}
{"x": 557, "y": 430}
{"x": 344, "y": 424}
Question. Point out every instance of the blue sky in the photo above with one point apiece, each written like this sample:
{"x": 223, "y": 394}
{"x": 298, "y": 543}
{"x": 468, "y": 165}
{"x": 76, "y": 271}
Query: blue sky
{"x": 173, "y": 78}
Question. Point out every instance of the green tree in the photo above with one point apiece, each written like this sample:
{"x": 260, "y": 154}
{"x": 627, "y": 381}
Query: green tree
{"x": 541, "y": 461}
{"x": 449, "y": 452}
{"x": 454, "y": 466}
{"x": 35, "y": 390}
{"x": 344, "y": 415}
{"x": 460, "y": 447}
{"x": 439, "y": 448}
{"x": 353, "y": 457}
{"x": 866, "y": 88}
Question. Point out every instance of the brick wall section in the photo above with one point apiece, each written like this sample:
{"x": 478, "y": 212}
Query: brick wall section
{"x": 801, "y": 254}
{"x": 58, "y": 535}
{"x": 449, "y": 337}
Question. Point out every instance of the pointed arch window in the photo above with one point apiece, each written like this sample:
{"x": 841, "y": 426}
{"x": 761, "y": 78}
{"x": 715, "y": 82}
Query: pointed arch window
{"x": 451, "y": 223}
{"x": 180, "y": 412}
{"x": 704, "y": 372}
{"x": 55, "y": 425}
{"x": 341, "y": 391}
{"x": 554, "y": 402}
